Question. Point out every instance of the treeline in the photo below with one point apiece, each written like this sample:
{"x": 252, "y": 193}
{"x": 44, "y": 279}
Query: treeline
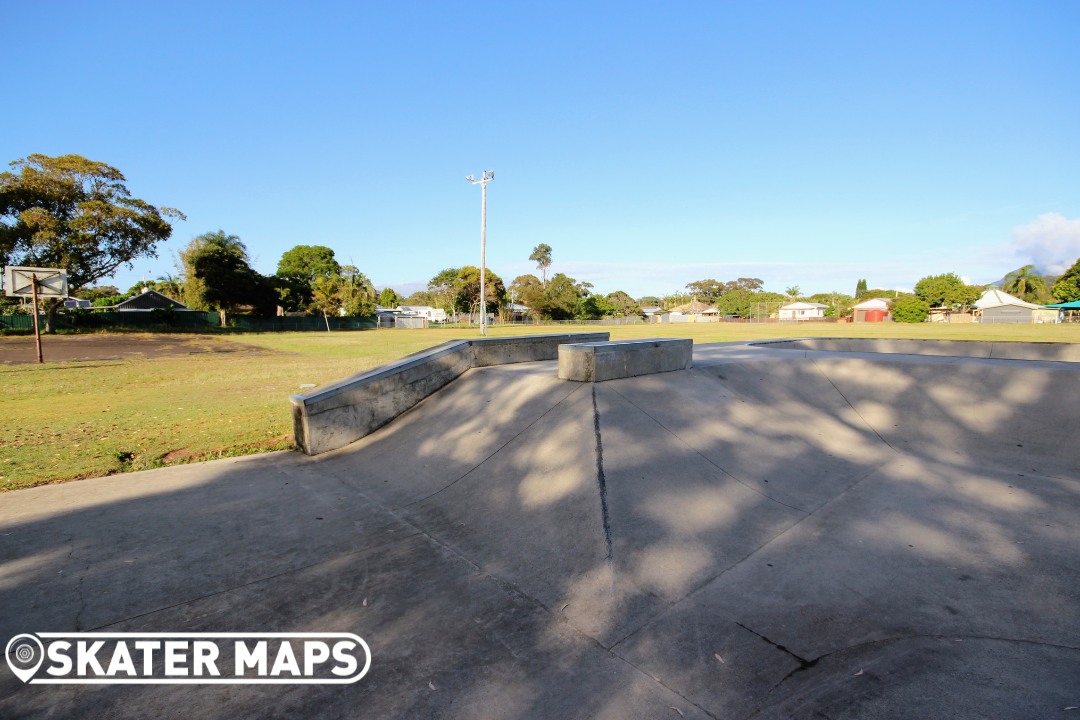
{"x": 73, "y": 213}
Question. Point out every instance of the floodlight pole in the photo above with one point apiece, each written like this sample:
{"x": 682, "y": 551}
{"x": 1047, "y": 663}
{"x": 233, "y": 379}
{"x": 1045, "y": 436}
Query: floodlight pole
{"x": 487, "y": 177}
{"x": 37, "y": 330}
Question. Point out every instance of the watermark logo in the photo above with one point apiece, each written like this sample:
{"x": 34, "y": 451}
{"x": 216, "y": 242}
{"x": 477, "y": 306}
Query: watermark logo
{"x": 188, "y": 658}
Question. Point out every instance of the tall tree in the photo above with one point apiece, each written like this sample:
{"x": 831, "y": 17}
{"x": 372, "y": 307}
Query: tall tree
{"x": 860, "y": 288}
{"x": 218, "y": 277}
{"x": 541, "y": 255}
{"x": 357, "y": 292}
{"x": 793, "y": 292}
{"x": 298, "y": 270}
{"x": 1067, "y": 287}
{"x": 76, "y": 214}
{"x": 705, "y": 290}
{"x": 388, "y": 298}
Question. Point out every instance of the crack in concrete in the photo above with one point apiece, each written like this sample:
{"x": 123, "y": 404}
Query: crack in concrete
{"x": 601, "y": 480}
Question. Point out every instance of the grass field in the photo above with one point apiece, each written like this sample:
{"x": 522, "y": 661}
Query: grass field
{"x": 85, "y": 419}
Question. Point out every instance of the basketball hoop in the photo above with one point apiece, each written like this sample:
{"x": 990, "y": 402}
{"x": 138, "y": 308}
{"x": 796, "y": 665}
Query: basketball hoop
{"x": 35, "y": 283}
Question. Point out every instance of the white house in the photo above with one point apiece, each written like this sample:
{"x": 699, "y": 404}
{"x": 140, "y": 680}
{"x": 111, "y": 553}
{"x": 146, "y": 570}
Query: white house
{"x": 802, "y": 311}
{"x": 437, "y": 315}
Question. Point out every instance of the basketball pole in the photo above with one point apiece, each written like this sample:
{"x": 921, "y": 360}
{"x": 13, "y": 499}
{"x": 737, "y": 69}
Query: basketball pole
{"x": 37, "y": 329}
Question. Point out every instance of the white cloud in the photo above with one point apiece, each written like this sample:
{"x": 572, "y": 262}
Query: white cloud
{"x": 1051, "y": 242}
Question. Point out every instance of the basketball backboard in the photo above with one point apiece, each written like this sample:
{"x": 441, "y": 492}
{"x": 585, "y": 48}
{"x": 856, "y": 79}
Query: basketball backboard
{"x": 19, "y": 281}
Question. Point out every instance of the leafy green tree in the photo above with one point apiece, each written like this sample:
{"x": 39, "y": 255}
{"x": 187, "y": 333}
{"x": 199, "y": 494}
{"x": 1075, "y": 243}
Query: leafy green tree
{"x": 593, "y": 307}
{"x": 468, "y": 290}
{"x": 444, "y": 289}
{"x": 946, "y": 290}
{"x": 529, "y": 291}
{"x": 77, "y": 214}
{"x": 1067, "y": 287}
{"x": 109, "y": 300}
{"x": 326, "y": 296}
{"x": 622, "y": 305}
{"x": 839, "y": 304}
{"x": 194, "y": 287}
{"x": 750, "y": 284}
{"x": 562, "y": 297}
{"x": 218, "y": 277}
{"x": 860, "y": 289}
{"x": 420, "y": 297}
{"x": 137, "y": 288}
{"x": 793, "y": 292}
{"x": 298, "y": 270}
{"x": 541, "y": 255}
{"x": 1026, "y": 284}
{"x": 96, "y": 293}
{"x": 389, "y": 299}
{"x": 909, "y": 309}
{"x": 705, "y": 290}
{"x": 735, "y": 302}
{"x": 356, "y": 292}
{"x": 649, "y": 301}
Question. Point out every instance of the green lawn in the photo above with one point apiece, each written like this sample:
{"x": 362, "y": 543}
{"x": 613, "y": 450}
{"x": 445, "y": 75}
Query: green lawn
{"x": 85, "y": 419}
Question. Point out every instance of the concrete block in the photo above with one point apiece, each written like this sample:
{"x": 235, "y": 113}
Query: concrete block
{"x": 346, "y": 410}
{"x": 599, "y": 361}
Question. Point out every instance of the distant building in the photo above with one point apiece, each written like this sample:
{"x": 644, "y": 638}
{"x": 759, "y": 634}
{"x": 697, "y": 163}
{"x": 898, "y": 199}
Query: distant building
{"x": 998, "y": 306}
{"x": 874, "y": 310}
{"x": 437, "y": 315}
{"x": 149, "y": 300}
{"x": 803, "y": 311}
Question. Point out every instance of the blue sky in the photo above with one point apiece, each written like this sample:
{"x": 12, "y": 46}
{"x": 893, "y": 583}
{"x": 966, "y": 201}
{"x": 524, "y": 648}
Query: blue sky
{"x": 650, "y": 144}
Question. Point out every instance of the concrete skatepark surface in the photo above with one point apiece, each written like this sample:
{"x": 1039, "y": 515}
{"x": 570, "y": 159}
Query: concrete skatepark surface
{"x": 773, "y": 533}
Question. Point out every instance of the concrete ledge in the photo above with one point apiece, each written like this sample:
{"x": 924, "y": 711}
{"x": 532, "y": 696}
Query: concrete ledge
{"x": 600, "y": 361}
{"x": 1061, "y": 352}
{"x": 346, "y": 410}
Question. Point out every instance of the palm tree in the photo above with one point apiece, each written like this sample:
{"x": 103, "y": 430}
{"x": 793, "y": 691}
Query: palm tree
{"x": 170, "y": 286}
{"x": 1025, "y": 283}
{"x": 793, "y": 291}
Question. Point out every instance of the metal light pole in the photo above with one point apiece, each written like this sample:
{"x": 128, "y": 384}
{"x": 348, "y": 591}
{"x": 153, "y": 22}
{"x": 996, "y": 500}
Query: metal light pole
{"x": 487, "y": 177}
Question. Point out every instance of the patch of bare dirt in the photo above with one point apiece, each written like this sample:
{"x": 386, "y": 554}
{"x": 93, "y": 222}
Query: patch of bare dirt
{"x": 81, "y": 348}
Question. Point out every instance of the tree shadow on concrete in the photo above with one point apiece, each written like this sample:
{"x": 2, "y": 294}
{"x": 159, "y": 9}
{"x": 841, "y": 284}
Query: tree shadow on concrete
{"x": 782, "y": 538}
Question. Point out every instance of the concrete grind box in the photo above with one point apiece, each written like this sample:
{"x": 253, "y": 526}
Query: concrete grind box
{"x": 599, "y": 361}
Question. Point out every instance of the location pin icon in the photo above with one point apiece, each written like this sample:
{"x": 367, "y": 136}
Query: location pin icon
{"x": 24, "y": 655}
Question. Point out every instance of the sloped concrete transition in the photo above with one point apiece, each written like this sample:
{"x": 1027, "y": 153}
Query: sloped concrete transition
{"x": 769, "y": 534}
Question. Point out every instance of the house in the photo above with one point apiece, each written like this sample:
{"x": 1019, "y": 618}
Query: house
{"x": 803, "y": 311}
{"x": 517, "y": 312}
{"x": 149, "y": 300}
{"x": 873, "y": 310}
{"x": 698, "y": 308}
{"x": 998, "y": 306}
{"x": 432, "y": 314}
